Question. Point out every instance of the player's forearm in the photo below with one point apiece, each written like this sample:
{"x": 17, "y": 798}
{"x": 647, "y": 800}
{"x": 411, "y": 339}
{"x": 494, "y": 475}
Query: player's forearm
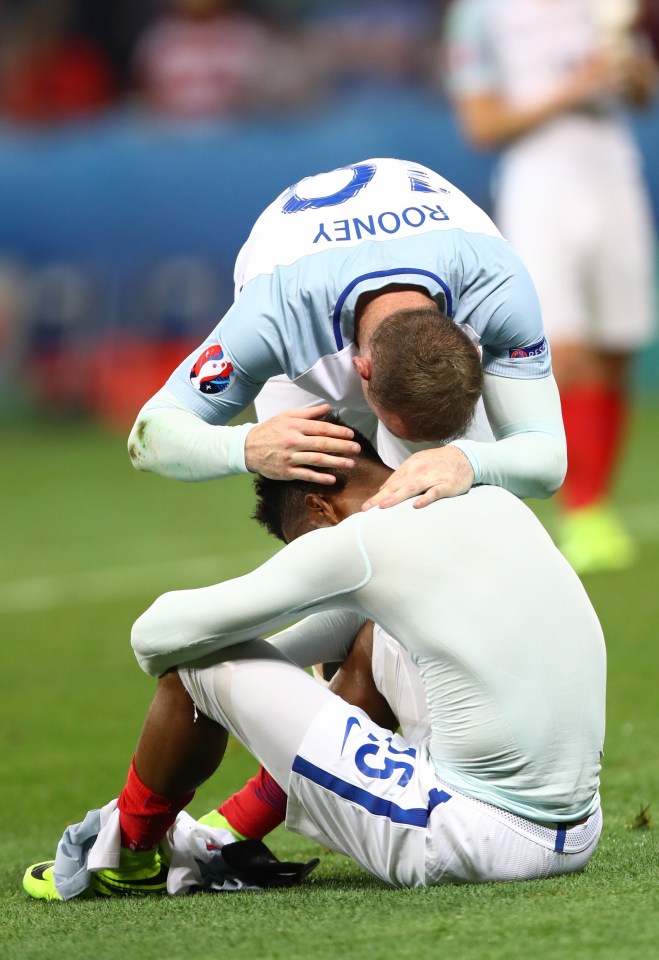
{"x": 639, "y": 81}
{"x": 489, "y": 122}
{"x": 320, "y": 638}
{"x": 530, "y": 455}
{"x": 169, "y": 439}
{"x": 531, "y": 464}
{"x": 315, "y": 572}
{"x": 183, "y": 626}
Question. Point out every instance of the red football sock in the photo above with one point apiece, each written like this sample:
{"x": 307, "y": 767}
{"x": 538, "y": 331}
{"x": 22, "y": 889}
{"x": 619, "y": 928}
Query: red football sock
{"x": 145, "y": 816}
{"x": 594, "y": 416}
{"x": 256, "y": 809}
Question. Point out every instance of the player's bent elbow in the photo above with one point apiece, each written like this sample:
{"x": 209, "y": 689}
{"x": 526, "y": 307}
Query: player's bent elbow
{"x": 481, "y": 123}
{"x": 136, "y": 446}
{"x": 146, "y": 633}
{"x": 554, "y": 472}
{"x": 138, "y": 637}
{"x": 158, "y": 629}
{"x": 482, "y": 140}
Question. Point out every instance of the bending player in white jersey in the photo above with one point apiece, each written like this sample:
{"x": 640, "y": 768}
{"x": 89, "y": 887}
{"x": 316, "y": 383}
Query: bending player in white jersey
{"x": 366, "y": 287}
{"x": 512, "y": 661}
{"x": 546, "y": 81}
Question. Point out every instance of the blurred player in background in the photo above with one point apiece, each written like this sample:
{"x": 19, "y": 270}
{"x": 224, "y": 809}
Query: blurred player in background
{"x": 649, "y": 22}
{"x": 202, "y": 59}
{"x": 374, "y": 287}
{"x": 547, "y": 80}
{"x": 503, "y": 786}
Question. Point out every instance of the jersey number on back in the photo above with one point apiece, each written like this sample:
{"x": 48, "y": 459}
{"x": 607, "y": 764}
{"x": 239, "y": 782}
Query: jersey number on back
{"x": 362, "y": 174}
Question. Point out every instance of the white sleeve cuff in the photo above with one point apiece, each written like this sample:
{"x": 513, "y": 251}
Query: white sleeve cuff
{"x": 169, "y": 439}
{"x": 529, "y": 456}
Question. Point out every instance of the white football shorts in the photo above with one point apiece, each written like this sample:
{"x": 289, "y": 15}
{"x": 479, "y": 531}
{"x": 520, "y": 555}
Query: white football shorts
{"x": 590, "y": 249}
{"x": 367, "y": 793}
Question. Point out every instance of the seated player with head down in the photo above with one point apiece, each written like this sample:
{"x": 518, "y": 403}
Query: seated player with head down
{"x": 512, "y": 661}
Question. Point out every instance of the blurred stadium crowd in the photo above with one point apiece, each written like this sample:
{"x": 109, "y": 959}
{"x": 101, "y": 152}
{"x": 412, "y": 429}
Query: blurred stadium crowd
{"x": 205, "y": 58}
{"x": 68, "y": 66}
{"x": 61, "y": 59}
{"x": 67, "y": 63}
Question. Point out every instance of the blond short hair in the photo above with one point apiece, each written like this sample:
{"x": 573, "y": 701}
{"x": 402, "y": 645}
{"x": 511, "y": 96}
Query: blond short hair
{"x": 427, "y": 372}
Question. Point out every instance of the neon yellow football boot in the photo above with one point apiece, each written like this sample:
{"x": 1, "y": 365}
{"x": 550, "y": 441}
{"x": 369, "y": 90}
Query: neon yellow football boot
{"x": 593, "y": 540}
{"x": 141, "y": 873}
{"x": 219, "y": 822}
{"x": 38, "y": 881}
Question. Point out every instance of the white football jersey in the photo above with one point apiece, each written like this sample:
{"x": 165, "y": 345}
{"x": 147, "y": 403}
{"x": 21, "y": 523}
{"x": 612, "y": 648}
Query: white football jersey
{"x": 522, "y": 51}
{"x": 332, "y": 237}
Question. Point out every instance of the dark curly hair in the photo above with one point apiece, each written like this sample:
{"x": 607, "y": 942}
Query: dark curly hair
{"x": 279, "y": 502}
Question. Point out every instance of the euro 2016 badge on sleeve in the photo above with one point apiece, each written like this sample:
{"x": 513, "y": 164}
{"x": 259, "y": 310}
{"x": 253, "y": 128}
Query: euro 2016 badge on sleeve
{"x": 213, "y": 372}
{"x": 534, "y": 350}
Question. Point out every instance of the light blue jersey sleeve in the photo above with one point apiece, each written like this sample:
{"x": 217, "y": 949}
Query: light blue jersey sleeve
{"x": 470, "y": 62}
{"x": 517, "y": 347}
{"x": 185, "y": 625}
{"x": 227, "y": 371}
{"x": 499, "y": 303}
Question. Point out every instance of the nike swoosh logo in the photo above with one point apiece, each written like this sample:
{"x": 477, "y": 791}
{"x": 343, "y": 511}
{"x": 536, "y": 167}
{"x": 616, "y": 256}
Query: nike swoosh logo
{"x": 352, "y": 722}
{"x": 139, "y": 885}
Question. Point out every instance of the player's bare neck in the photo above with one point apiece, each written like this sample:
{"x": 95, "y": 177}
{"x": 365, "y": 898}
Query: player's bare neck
{"x": 357, "y": 492}
{"x": 374, "y": 307}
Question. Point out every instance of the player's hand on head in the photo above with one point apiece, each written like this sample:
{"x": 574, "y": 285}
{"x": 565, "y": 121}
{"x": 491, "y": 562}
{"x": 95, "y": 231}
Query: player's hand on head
{"x": 428, "y": 475}
{"x": 290, "y": 445}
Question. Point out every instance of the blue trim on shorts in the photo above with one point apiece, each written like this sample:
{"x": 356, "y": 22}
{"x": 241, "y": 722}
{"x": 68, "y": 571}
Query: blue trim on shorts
{"x": 385, "y": 273}
{"x": 413, "y": 817}
{"x": 435, "y": 797}
{"x": 560, "y": 840}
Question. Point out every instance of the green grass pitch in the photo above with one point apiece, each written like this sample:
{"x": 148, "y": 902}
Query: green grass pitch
{"x": 87, "y": 545}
